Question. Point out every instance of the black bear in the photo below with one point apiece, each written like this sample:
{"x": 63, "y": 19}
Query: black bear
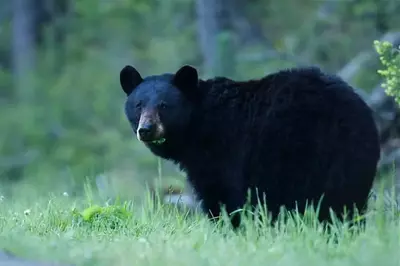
{"x": 294, "y": 136}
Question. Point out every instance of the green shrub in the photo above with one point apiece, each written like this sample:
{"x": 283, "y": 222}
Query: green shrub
{"x": 390, "y": 59}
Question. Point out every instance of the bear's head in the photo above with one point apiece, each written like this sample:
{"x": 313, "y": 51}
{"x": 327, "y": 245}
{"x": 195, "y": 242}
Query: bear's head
{"x": 159, "y": 107}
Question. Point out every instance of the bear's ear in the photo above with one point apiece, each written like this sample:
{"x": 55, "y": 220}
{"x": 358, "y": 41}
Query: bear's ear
{"x": 129, "y": 79}
{"x": 186, "y": 78}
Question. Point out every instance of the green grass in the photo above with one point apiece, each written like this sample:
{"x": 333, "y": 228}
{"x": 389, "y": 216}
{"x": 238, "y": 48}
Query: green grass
{"x": 45, "y": 228}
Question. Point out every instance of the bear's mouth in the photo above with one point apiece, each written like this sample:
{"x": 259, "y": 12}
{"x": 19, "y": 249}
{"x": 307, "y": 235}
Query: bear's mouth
{"x": 157, "y": 141}
{"x": 154, "y": 141}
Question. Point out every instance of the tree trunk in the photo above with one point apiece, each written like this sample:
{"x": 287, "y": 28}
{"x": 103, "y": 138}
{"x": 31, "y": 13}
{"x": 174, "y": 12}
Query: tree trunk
{"x": 23, "y": 47}
{"x": 214, "y": 24}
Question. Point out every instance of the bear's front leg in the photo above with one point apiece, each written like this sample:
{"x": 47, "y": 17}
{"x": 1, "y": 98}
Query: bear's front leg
{"x": 216, "y": 196}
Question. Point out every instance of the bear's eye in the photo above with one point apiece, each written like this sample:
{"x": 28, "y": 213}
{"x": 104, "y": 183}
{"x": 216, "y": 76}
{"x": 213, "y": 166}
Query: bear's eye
{"x": 163, "y": 105}
{"x": 138, "y": 104}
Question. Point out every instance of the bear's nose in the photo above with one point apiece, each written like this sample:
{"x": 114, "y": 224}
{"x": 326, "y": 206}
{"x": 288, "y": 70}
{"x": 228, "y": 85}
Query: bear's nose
{"x": 145, "y": 131}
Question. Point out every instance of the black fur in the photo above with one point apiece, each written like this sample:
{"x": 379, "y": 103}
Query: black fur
{"x": 295, "y": 135}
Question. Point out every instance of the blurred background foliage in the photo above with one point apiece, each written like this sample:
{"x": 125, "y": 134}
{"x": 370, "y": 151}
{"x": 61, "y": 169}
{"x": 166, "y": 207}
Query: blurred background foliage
{"x": 61, "y": 107}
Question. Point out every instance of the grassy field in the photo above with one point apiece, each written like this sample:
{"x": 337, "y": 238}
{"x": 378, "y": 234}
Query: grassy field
{"x": 46, "y": 228}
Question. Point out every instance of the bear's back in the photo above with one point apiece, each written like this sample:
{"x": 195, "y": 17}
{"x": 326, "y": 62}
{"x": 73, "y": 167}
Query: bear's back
{"x": 292, "y": 82}
{"x": 307, "y": 90}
